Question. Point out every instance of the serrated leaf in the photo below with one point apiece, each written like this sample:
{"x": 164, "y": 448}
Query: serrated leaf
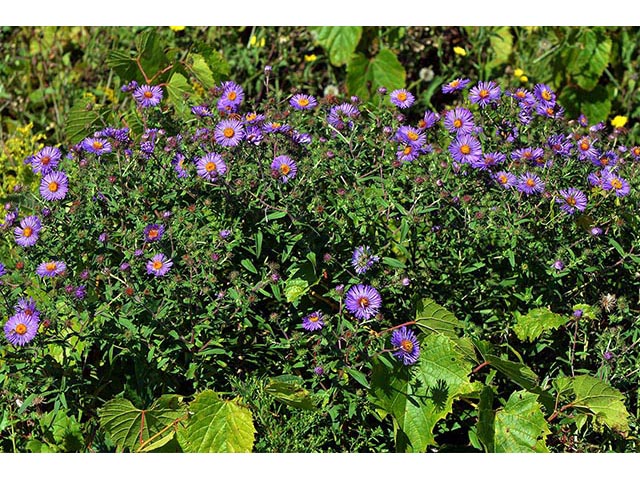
{"x": 365, "y": 75}
{"x": 595, "y": 104}
{"x": 201, "y": 70}
{"x": 295, "y": 288}
{"x": 501, "y": 41}
{"x": 130, "y": 427}
{"x": 180, "y": 92}
{"x": 594, "y": 52}
{"x": 289, "y": 390}
{"x": 217, "y": 426}
{"x": 420, "y": 396}
{"x": 520, "y": 426}
{"x": 517, "y": 372}
{"x": 81, "y": 121}
{"x": 433, "y": 318}
{"x": 602, "y": 400}
{"x": 339, "y": 42}
{"x": 124, "y": 65}
{"x": 536, "y": 322}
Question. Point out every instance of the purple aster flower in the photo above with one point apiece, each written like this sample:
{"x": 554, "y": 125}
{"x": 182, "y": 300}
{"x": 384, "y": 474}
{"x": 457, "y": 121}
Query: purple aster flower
{"x": 428, "y": 120}
{"x": 313, "y": 321}
{"x": 550, "y": 111}
{"x": 3, "y": 270}
{"x": 225, "y": 233}
{"x": 406, "y": 345}
{"x": 301, "y": 138}
{"x": 529, "y": 154}
{"x": 20, "y": 329}
{"x": 406, "y": 281}
{"x": 318, "y": 371}
{"x": 300, "y": 101}
{"x": 178, "y": 165}
{"x": 46, "y": 160}
{"x": 341, "y": 116}
{"x": 407, "y": 153}
{"x": 201, "y": 111}
{"x": 153, "y": 232}
{"x": 455, "y": 85}
{"x": 595, "y": 231}
{"x": 211, "y": 166}
{"x": 284, "y": 168}
{"x": 586, "y": 150}
{"x": 129, "y": 87}
{"x": 571, "y": 200}
{"x": 615, "y": 183}
{"x": 80, "y": 292}
{"x": 596, "y": 179}
{"x": 411, "y": 136}
{"x": 582, "y": 120}
{"x": 604, "y": 160}
{"x": 138, "y": 252}
{"x": 489, "y": 160}
{"x": 607, "y": 355}
{"x": 275, "y": 127}
{"x": 103, "y": 237}
{"x": 544, "y": 95}
{"x": 558, "y": 265}
{"x": 635, "y": 152}
{"x": 51, "y": 268}
{"x": 96, "y": 145}
{"x": 27, "y": 233}
{"x": 485, "y": 93}
{"x": 530, "y": 183}
{"x": 254, "y": 118}
{"x": 159, "y": 265}
{"x": 577, "y": 313}
{"x": 362, "y": 259}
{"x": 524, "y": 97}
{"x": 466, "y": 149}
{"x": 363, "y": 301}
{"x": 28, "y": 307}
{"x": 148, "y": 95}
{"x": 54, "y": 186}
{"x": 402, "y": 98}
{"x": 459, "y": 120}
{"x": 229, "y": 133}
{"x": 560, "y": 145}
{"x": 232, "y": 96}
{"x": 125, "y": 266}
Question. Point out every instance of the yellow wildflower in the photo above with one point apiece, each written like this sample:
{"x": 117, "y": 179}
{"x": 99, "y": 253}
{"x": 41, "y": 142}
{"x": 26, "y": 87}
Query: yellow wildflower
{"x": 459, "y": 51}
{"x": 310, "y": 58}
{"x": 518, "y": 72}
{"x": 619, "y": 121}
{"x": 524, "y": 78}
{"x": 177, "y": 29}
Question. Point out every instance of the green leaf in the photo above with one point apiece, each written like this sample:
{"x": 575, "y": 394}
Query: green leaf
{"x": 217, "y": 426}
{"x": 517, "y": 372}
{"x": 246, "y": 263}
{"x": 124, "y": 65}
{"x": 520, "y": 426}
{"x": 201, "y": 70}
{"x": 179, "y": 92}
{"x": 289, "y": 390}
{"x": 295, "y": 288}
{"x": 601, "y": 400}
{"x": 418, "y": 397}
{"x": 536, "y": 322}
{"x": 82, "y": 120}
{"x": 339, "y": 42}
{"x": 595, "y": 104}
{"x": 432, "y": 318}
{"x": 365, "y": 75}
{"x": 501, "y": 41}
{"x": 486, "y": 420}
{"x": 594, "y": 52}
{"x": 393, "y": 263}
{"x": 130, "y": 428}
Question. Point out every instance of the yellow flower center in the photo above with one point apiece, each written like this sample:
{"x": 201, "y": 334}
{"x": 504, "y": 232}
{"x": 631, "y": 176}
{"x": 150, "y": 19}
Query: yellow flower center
{"x": 45, "y": 160}
{"x": 520, "y": 94}
{"x": 402, "y": 96}
{"x": 406, "y": 345}
{"x": 465, "y": 149}
{"x": 210, "y": 167}
{"x": 584, "y": 145}
{"x": 636, "y": 151}
{"x": 617, "y": 184}
{"x": 314, "y": 318}
{"x": 275, "y": 125}
{"x": 503, "y": 179}
{"x": 27, "y": 231}
{"x": 231, "y": 95}
{"x": 454, "y": 84}
{"x": 363, "y": 302}
{"x": 546, "y": 94}
{"x": 148, "y": 94}
{"x": 407, "y": 150}
{"x": 21, "y": 329}
{"x": 571, "y": 201}
{"x": 251, "y": 116}
{"x": 228, "y": 132}
{"x": 457, "y": 123}
{"x": 50, "y": 267}
{"x": 157, "y": 265}
{"x": 285, "y": 169}
{"x": 412, "y": 136}
{"x": 303, "y": 102}
{"x": 53, "y": 186}
{"x": 422, "y": 124}
{"x": 530, "y": 182}
{"x": 550, "y": 111}
{"x": 97, "y": 145}
{"x": 483, "y": 93}
{"x": 604, "y": 161}
{"x": 153, "y": 233}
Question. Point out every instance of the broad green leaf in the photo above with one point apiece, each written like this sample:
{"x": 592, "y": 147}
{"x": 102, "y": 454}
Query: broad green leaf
{"x": 517, "y": 372}
{"x": 603, "y": 401}
{"x": 594, "y": 52}
{"x": 82, "y": 120}
{"x": 486, "y": 420}
{"x": 536, "y": 322}
{"x": 520, "y": 426}
{"x": 418, "y": 397}
{"x": 501, "y": 41}
{"x": 339, "y": 42}
{"x": 393, "y": 263}
{"x": 432, "y": 318}
{"x": 124, "y": 65}
{"x": 217, "y": 426}
{"x": 179, "y": 91}
{"x": 131, "y": 428}
{"x": 295, "y": 288}
{"x": 289, "y": 390}
{"x": 152, "y": 55}
{"x": 595, "y": 104}
{"x": 201, "y": 70}
{"x": 365, "y": 75}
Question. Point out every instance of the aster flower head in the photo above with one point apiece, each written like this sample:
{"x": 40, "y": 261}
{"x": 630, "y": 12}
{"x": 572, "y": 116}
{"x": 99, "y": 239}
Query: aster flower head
{"x": 229, "y": 133}
{"x": 455, "y": 85}
{"x": 606, "y": 159}
{"x": 28, "y": 307}
{"x": 362, "y": 259}
{"x": 153, "y": 232}
{"x": 488, "y": 160}
{"x": 20, "y": 329}
{"x": 530, "y": 183}
{"x": 27, "y": 233}
{"x": 428, "y": 120}
{"x": 253, "y": 134}
{"x": 46, "y": 160}
{"x": 554, "y": 111}
{"x": 96, "y": 145}
{"x": 544, "y": 94}
{"x": 459, "y": 120}
{"x": 313, "y": 321}
{"x": 178, "y": 165}
{"x": 635, "y": 152}
{"x": 284, "y": 168}
{"x": 586, "y": 150}
{"x": 411, "y": 136}
{"x": 524, "y": 97}
{"x": 300, "y": 101}
{"x": 402, "y": 98}
{"x": 466, "y": 149}
{"x": 201, "y": 111}
{"x": 407, "y": 153}
{"x": 615, "y": 183}
{"x": 572, "y": 200}
{"x": 54, "y": 186}
{"x": 3, "y": 269}
{"x": 363, "y": 301}
{"x": 148, "y": 95}
{"x": 342, "y": 116}
{"x": 254, "y": 118}
{"x": 407, "y": 348}
{"x": 560, "y": 145}
{"x": 485, "y": 93}
{"x": 52, "y": 268}
{"x": 232, "y": 93}
{"x": 159, "y": 265}
{"x": 211, "y": 166}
